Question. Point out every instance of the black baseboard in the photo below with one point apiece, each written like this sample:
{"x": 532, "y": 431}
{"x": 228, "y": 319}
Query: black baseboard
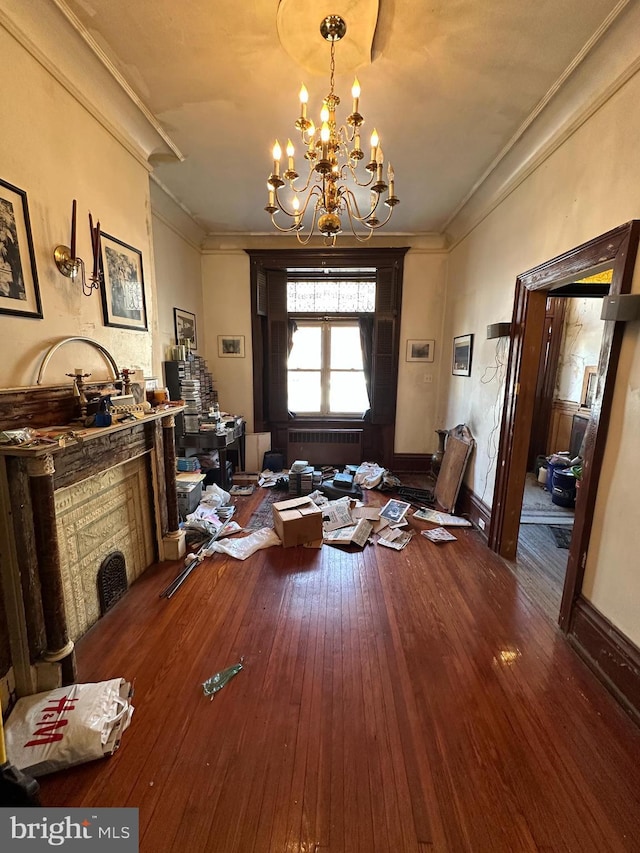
{"x": 613, "y": 658}
{"x": 470, "y": 505}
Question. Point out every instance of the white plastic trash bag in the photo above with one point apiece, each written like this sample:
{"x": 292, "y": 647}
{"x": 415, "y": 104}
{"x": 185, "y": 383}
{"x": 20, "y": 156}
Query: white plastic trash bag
{"x": 68, "y": 726}
{"x": 248, "y": 545}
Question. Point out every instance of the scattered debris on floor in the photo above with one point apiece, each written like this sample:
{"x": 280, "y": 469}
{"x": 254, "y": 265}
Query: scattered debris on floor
{"x": 439, "y": 534}
{"x": 212, "y": 685}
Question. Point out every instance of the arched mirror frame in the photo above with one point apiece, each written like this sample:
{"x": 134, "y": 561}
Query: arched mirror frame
{"x": 616, "y": 249}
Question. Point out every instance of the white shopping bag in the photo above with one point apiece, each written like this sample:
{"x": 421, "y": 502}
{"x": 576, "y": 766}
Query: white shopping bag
{"x": 67, "y": 726}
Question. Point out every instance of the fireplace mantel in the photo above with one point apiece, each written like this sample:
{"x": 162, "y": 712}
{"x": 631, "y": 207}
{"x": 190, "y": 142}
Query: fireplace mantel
{"x": 41, "y": 649}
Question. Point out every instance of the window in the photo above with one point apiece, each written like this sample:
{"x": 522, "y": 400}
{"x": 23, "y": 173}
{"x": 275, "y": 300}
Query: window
{"x": 325, "y": 374}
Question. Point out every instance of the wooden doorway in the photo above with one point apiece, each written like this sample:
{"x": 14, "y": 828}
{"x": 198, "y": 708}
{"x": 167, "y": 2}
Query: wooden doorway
{"x": 616, "y": 249}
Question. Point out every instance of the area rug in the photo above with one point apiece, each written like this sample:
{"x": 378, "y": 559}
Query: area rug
{"x": 562, "y": 535}
{"x": 263, "y": 515}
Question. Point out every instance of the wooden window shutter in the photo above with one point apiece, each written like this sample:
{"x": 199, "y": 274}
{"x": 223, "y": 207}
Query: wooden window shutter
{"x": 385, "y": 345}
{"x": 276, "y": 286}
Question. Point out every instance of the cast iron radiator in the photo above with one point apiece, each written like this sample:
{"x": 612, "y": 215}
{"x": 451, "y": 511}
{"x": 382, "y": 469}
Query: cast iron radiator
{"x": 325, "y": 446}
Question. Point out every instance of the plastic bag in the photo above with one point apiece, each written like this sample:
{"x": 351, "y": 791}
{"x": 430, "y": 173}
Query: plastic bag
{"x": 248, "y": 545}
{"x": 68, "y": 726}
{"x": 214, "y": 496}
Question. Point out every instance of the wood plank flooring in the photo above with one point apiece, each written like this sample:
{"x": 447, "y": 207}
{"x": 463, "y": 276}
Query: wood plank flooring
{"x": 396, "y": 702}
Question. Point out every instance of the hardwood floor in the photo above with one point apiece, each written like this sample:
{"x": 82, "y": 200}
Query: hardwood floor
{"x": 540, "y": 567}
{"x": 398, "y": 702}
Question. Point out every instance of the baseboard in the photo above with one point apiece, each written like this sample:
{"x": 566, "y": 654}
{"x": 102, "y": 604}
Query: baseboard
{"x": 470, "y": 505}
{"x": 411, "y": 463}
{"x": 613, "y": 658}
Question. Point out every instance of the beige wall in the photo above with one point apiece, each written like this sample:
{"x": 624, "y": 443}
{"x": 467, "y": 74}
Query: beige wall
{"x": 178, "y": 266}
{"x": 587, "y": 186}
{"x": 56, "y": 151}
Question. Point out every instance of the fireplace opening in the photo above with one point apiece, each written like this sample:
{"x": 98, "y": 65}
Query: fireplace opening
{"x": 112, "y": 580}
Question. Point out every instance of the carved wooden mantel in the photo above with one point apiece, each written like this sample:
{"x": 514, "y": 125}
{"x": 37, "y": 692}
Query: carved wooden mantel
{"x": 31, "y": 562}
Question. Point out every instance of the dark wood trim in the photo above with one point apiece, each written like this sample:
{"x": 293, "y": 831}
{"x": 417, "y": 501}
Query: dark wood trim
{"x": 616, "y": 249}
{"x": 476, "y": 510}
{"x": 613, "y": 658}
{"x": 411, "y": 463}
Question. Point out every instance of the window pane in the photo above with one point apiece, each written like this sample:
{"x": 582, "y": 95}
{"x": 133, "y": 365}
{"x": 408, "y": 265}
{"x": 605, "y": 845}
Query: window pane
{"x": 346, "y": 352}
{"x": 348, "y": 393}
{"x": 306, "y": 352}
{"x": 304, "y": 391}
{"x": 336, "y": 297}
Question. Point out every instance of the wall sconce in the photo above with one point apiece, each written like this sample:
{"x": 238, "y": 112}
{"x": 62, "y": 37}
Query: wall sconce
{"x": 71, "y": 266}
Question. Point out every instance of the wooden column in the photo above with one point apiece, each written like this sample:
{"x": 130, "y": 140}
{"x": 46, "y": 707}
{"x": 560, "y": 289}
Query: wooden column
{"x": 59, "y": 646}
{"x": 174, "y": 538}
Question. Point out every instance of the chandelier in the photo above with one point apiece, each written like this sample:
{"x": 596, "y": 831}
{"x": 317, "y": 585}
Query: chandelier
{"x": 333, "y": 155}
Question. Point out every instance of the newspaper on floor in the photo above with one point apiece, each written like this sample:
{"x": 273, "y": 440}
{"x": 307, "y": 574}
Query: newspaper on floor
{"x": 441, "y": 518}
{"x": 336, "y": 514}
{"x": 355, "y": 534}
{"x": 392, "y": 537}
{"x": 439, "y": 534}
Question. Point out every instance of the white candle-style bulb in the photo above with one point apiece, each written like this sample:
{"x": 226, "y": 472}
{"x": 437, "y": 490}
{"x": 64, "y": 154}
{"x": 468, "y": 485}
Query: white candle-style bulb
{"x": 379, "y": 155}
{"x": 324, "y": 114}
{"x": 325, "y": 133}
{"x": 277, "y": 154}
{"x": 290, "y": 153}
{"x": 355, "y": 93}
{"x": 304, "y": 97}
{"x": 374, "y": 144}
{"x": 390, "y": 177}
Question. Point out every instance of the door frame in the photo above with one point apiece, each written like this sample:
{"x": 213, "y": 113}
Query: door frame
{"x": 616, "y": 249}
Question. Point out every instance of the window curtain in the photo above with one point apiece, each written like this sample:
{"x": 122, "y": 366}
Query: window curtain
{"x": 365, "y": 323}
{"x": 292, "y": 328}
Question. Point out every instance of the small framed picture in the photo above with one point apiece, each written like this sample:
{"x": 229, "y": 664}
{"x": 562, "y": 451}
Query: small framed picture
{"x": 462, "y": 352}
{"x": 231, "y": 346}
{"x": 19, "y": 292}
{"x": 123, "y": 303}
{"x": 420, "y": 350}
{"x": 185, "y": 326}
{"x": 394, "y": 511}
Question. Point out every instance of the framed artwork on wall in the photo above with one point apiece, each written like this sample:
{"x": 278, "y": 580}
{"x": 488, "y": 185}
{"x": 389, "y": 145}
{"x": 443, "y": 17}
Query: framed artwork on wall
{"x": 231, "y": 346}
{"x": 462, "y": 352}
{"x": 123, "y": 303}
{"x": 185, "y": 325}
{"x": 420, "y": 350}
{"x": 19, "y": 292}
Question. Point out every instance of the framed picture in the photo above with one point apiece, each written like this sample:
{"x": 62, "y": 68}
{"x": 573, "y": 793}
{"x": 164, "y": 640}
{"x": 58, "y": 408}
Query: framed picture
{"x": 394, "y": 511}
{"x": 462, "y": 351}
{"x": 19, "y": 292}
{"x": 123, "y": 303}
{"x": 420, "y": 350}
{"x": 185, "y": 325}
{"x": 231, "y": 346}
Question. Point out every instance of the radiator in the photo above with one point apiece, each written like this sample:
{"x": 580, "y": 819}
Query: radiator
{"x": 325, "y": 446}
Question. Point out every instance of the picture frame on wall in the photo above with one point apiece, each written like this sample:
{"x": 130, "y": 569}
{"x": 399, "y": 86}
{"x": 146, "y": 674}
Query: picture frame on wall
{"x": 185, "y": 326}
{"x": 420, "y": 350}
{"x": 19, "y": 291}
{"x": 123, "y": 300}
{"x": 462, "y": 353}
{"x": 231, "y": 346}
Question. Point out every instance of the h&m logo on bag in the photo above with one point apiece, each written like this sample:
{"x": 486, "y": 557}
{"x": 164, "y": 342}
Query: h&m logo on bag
{"x": 52, "y": 719}
{"x": 42, "y": 828}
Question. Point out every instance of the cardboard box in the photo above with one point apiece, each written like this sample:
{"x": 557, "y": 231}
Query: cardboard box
{"x": 297, "y": 522}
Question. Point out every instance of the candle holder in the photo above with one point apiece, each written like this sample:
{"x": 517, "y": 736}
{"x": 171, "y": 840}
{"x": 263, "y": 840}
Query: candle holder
{"x": 74, "y": 268}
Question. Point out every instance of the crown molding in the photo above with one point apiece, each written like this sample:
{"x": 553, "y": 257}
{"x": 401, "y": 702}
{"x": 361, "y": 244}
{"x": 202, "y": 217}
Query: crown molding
{"x": 55, "y": 38}
{"x": 606, "y": 62}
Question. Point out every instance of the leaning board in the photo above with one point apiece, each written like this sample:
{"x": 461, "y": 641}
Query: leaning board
{"x": 458, "y": 448}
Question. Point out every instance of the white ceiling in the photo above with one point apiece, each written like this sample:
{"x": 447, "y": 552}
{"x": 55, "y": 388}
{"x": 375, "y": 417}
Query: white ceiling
{"x": 447, "y": 83}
